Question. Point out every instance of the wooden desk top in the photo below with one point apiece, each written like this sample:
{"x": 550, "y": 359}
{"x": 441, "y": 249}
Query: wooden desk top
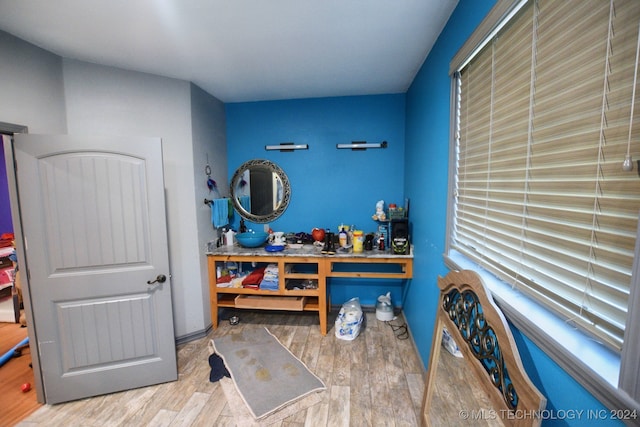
{"x": 304, "y": 251}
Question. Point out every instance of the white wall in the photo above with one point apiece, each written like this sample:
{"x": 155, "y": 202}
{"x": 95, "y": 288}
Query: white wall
{"x": 112, "y": 101}
{"x": 209, "y": 142}
{"x": 31, "y": 87}
{"x": 51, "y": 95}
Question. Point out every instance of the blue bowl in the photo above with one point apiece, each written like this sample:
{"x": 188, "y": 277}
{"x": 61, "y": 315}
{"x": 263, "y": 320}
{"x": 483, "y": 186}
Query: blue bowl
{"x": 252, "y": 239}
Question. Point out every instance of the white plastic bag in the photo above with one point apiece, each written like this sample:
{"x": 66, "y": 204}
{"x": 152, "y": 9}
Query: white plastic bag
{"x": 449, "y": 343}
{"x": 349, "y": 320}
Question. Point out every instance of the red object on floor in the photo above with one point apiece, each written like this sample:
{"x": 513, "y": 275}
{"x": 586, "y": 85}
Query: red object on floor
{"x": 25, "y": 387}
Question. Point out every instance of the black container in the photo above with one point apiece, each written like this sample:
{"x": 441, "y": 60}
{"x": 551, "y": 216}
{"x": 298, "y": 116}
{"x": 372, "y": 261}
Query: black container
{"x": 368, "y": 242}
{"x": 400, "y": 242}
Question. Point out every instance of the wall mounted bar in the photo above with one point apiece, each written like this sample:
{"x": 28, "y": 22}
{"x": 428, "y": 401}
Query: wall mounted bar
{"x": 362, "y": 145}
{"x": 286, "y": 146}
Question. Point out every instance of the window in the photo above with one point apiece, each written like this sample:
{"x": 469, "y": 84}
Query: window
{"x": 543, "y": 116}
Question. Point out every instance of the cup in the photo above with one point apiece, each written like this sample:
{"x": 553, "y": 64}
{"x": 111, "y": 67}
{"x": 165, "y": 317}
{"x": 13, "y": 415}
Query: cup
{"x": 278, "y": 238}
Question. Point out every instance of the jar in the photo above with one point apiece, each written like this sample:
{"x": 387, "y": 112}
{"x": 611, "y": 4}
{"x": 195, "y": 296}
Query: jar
{"x": 358, "y": 240}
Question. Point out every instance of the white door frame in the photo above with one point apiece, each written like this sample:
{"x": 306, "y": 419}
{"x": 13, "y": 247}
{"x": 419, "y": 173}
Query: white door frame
{"x": 20, "y": 251}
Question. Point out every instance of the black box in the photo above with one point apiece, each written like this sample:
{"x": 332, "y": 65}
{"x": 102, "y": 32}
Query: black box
{"x": 400, "y": 241}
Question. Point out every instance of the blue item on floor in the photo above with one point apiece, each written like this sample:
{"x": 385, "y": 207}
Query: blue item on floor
{"x": 14, "y": 352}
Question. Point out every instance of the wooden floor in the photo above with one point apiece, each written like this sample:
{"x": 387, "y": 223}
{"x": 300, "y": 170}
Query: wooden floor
{"x": 456, "y": 392}
{"x": 376, "y": 379}
{"x": 15, "y": 404}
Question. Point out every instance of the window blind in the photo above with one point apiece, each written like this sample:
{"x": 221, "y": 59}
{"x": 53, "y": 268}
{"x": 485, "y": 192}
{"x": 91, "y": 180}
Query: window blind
{"x": 540, "y": 197}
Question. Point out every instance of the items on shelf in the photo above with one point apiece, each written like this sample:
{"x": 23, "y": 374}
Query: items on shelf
{"x": 380, "y": 215}
{"x": 270, "y": 279}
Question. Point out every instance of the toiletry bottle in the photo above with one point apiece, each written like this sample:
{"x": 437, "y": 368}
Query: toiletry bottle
{"x": 358, "y": 240}
{"x": 343, "y": 238}
{"x": 229, "y": 237}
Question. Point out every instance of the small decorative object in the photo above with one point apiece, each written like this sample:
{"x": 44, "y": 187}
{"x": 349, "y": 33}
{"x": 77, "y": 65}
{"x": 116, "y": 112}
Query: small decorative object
{"x": 278, "y": 238}
{"x": 380, "y": 215}
{"x": 318, "y": 234}
{"x": 211, "y": 184}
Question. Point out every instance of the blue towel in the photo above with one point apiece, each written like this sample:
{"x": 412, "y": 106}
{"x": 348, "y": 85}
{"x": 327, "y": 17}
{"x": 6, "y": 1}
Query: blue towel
{"x": 220, "y": 212}
{"x": 270, "y": 279}
{"x": 267, "y": 285}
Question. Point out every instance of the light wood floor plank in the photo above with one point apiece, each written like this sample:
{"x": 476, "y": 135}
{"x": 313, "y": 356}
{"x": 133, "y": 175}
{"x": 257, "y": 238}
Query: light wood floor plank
{"x": 190, "y": 410}
{"x": 163, "y": 418}
{"x": 360, "y": 396}
{"x": 213, "y": 408}
{"x": 341, "y": 374}
{"x": 366, "y": 379}
{"x": 416, "y": 389}
{"x": 317, "y": 415}
{"x": 339, "y": 406}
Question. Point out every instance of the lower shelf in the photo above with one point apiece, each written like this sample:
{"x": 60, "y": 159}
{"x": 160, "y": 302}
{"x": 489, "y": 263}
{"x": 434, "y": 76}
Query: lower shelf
{"x": 267, "y": 302}
{"x": 270, "y": 303}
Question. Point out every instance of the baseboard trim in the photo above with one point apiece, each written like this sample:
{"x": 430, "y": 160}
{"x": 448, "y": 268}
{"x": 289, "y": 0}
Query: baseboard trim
{"x": 183, "y": 339}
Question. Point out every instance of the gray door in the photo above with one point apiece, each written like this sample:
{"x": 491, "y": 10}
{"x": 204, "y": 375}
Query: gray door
{"x": 94, "y": 227}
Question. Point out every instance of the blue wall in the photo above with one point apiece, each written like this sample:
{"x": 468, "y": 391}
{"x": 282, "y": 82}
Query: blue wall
{"x": 329, "y": 186}
{"x": 426, "y": 176}
{"x": 6, "y": 225}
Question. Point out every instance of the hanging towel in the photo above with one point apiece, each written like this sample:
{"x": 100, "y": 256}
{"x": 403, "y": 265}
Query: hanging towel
{"x": 220, "y": 212}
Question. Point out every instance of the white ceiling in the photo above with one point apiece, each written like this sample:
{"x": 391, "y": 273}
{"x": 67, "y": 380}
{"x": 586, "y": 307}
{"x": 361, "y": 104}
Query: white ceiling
{"x": 243, "y": 50}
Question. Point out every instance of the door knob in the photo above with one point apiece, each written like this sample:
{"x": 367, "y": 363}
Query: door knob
{"x": 161, "y": 278}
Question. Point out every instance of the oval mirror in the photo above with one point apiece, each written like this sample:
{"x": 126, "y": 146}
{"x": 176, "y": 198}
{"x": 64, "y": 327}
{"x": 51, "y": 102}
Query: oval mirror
{"x": 260, "y": 191}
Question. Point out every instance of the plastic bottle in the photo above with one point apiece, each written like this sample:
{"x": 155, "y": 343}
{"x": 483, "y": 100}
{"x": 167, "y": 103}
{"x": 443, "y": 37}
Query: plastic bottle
{"x": 358, "y": 241}
{"x": 229, "y": 237}
{"x": 343, "y": 238}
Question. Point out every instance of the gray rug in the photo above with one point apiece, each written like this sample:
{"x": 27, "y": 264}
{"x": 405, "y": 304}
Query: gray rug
{"x": 266, "y": 374}
{"x": 244, "y": 418}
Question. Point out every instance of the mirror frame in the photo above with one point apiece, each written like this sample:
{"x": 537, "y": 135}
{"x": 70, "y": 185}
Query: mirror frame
{"x": 286, "y": 190}
{"x": 478, "y": 326}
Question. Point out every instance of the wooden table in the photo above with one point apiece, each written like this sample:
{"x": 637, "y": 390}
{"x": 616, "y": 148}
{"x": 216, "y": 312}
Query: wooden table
{"x": 302, "y": 266}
